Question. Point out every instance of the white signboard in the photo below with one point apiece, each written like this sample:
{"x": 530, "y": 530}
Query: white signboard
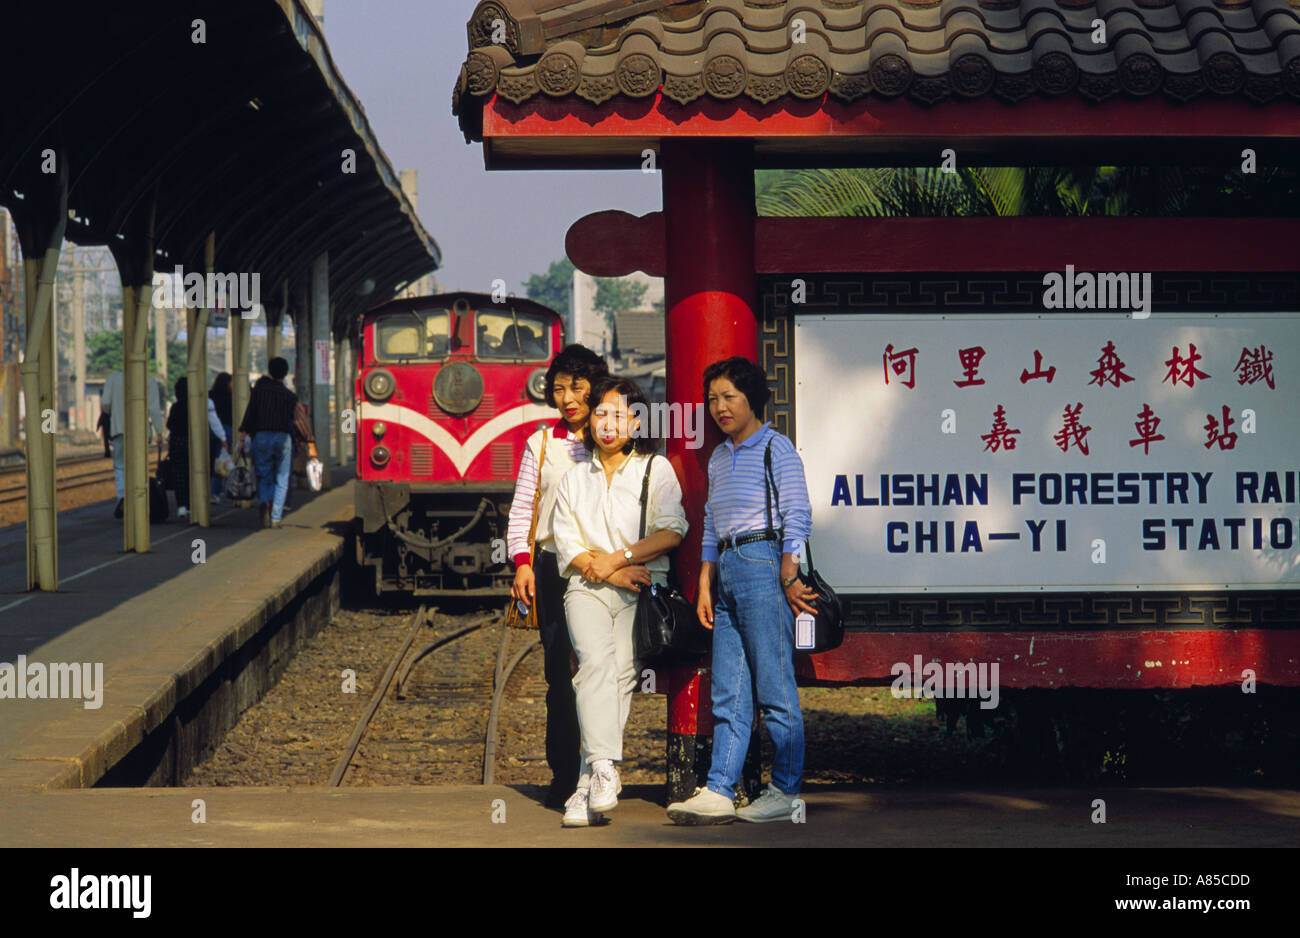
{"x": 322, "y": 361}
{"x": 1053, "y": 451}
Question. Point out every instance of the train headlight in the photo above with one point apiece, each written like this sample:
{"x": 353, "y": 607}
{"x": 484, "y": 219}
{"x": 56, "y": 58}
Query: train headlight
{"x": 537, "y": 385}
{"x": 380, "y": 385}
{"x": 379, "y": 456}
{"x": 379, "y": 429}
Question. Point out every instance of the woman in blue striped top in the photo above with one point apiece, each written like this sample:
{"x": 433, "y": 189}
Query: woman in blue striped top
{"x": 749, "y": 595}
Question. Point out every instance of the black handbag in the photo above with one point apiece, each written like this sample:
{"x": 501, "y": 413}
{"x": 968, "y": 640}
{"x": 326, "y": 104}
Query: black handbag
{"x": 828, "y": 620}
{"x": 666, "y": 627}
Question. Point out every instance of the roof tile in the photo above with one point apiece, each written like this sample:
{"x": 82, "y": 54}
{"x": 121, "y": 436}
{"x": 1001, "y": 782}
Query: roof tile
{"x": 926, "y": 49}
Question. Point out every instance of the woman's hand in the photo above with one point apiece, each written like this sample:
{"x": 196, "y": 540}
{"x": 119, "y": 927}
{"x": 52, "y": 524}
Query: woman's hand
{"x": 630, "y": 578}
{"x": 796, "y": 594}
{"x": 704, "y": 606}
{"x": 704, "y": 602}
{"x": 602, "y": 566}
{"x": 799, "y": 597}
{"x": 525, "y": 582}
{"x": 582, "y": 563}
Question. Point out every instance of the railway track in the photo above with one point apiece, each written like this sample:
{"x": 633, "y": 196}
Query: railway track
{"x": 451, "y": 686}
{"x": 13, "y": 482}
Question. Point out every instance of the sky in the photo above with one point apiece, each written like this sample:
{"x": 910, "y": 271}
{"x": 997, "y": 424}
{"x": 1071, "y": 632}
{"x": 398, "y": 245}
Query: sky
{"x": 401, "y": 59}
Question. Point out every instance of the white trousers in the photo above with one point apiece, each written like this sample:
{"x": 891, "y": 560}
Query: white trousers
{"x": 600, "y": 627}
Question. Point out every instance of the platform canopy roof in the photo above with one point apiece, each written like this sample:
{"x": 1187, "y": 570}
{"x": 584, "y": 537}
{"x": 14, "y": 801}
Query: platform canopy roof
{"x": 589, "y": 81}
{"x": 242, "y": 133}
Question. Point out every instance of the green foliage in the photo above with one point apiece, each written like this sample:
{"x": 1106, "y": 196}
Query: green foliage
{"x": 1035, "y": 190}
{"x": 104, "y": 356}
{"x": 614, "y": 295}
{"x": 553, "y": 288}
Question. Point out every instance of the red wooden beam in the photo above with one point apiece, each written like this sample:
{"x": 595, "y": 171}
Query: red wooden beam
{"x": 1111, "y": 659}
{"x": 612, "y": 244}
{"x": 877, "y": 122}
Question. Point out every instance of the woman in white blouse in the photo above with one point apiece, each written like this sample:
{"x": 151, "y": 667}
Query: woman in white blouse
{"x": 596, "y": 526}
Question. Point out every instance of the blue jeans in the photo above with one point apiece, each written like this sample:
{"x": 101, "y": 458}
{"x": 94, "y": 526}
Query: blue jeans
{"x": 753, "y": 649}
{"x": 218, "y": 483}
{"x": 271, "y": 460}
{"x": 119, "y": 463}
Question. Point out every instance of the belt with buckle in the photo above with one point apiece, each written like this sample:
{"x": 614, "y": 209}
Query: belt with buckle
{"x": 732, "y": 542}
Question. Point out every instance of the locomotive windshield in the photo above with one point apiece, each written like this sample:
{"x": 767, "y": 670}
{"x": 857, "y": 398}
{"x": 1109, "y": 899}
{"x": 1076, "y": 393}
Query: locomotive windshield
{"x": 512, "y": 337}
{"x": 412, "y": 335}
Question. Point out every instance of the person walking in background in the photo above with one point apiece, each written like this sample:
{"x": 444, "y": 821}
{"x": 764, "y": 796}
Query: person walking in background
{"x": 112, "y": 402}
{"x": 269, "y": 420}
{"x": 598, "y": 542}
{"x": 537, "y": 573}
{"x": 222, "y": 400}
{"x": 178, "y": 446}
{"x": 749, "y": 596}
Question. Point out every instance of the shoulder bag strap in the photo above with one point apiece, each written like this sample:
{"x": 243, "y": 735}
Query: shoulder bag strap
{"x": 645, "y": 494}
{"x": 770, "y": 491}
{"x": 537, "y": 496}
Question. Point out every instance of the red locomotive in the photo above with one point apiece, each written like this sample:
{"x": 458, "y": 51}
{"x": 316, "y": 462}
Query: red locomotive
{"x": 450, "y": 387}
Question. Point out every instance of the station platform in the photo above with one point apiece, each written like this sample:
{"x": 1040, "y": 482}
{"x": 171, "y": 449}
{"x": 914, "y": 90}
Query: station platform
{"x": 169, "y": 632}
{"x": 462, "y": 816}
{"x": 159, "y": 624}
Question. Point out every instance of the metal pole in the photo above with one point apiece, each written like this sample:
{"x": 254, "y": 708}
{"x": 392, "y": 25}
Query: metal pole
{"x": 136, "y": 303}
{"x": 240, "y": 330}
{"x": 79, "y": 406}
{"x": 196, "y": 405}
{"x": 160, "y": 342}
{"x": 42, "y": 528}
{"x": 275, "y": 331}
{"x": 318, "y": 355}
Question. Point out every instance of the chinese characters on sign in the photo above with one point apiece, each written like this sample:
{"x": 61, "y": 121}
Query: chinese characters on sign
{"x": 1253, "y": 366}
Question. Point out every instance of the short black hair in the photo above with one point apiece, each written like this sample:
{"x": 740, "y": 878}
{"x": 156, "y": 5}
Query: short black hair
{"x": 576, "y": 361}
{"x": 749, "y": 379}
{"x": 632, "y": 393}
{"x": 277, "y": 368}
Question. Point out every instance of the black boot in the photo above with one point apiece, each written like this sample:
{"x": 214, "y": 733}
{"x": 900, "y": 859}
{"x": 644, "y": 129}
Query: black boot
{"x": 119, "y": 511}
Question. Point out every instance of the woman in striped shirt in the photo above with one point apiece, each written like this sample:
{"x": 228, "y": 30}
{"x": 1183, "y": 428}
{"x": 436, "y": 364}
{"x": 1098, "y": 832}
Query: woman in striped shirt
{"x": 749, "y": 596}
{"x": 537, "y": 577}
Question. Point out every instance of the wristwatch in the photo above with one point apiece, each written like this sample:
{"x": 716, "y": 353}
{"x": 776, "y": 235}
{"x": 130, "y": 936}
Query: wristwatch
{"x": 785, "y": 584}
{"x": 627, "y": 554}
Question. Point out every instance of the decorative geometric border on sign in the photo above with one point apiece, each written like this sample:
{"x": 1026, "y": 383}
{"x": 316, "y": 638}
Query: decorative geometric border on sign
{"x": 1240, "y": 609}
{"x": 977, "y": 293}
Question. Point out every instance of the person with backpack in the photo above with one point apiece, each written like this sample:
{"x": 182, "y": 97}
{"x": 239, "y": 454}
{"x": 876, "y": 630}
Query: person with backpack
{"x": 598, "y": 543}
{"x": 269, "y": 420}
{"x": 756, "y": 522}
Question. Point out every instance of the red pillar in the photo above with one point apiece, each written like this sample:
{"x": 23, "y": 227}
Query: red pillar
{"x": 710, "y": 297}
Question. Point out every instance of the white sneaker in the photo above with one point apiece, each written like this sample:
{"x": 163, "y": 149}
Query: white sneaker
{"x": 182, "y": 512}
{"x": 704, "y": 807}
{"x": 605, "y": 786}
{"x": 577, "y": 810}
{"x": 772, "y": 805}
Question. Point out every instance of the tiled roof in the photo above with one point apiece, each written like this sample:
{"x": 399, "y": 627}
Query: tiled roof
{"x": 927, "y": 50}
{"x": 642, "y": 333}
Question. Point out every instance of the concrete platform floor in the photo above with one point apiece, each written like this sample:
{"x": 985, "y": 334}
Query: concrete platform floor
{"x": 462, "y": 816}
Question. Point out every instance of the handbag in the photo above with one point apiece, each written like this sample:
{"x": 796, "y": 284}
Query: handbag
{"x": 666, "y": 627}
{"x": 240, "y": 485}
{"x": 528, "y": 618}
{"x": 828, "y": 619}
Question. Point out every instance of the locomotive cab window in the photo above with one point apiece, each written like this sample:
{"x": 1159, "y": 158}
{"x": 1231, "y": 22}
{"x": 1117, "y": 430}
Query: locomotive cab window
{"x": 412, "y": 334}
{"x": 512, "y": 337}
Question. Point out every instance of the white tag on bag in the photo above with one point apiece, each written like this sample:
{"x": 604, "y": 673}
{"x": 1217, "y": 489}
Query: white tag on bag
{"x": 805, "y": 631}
